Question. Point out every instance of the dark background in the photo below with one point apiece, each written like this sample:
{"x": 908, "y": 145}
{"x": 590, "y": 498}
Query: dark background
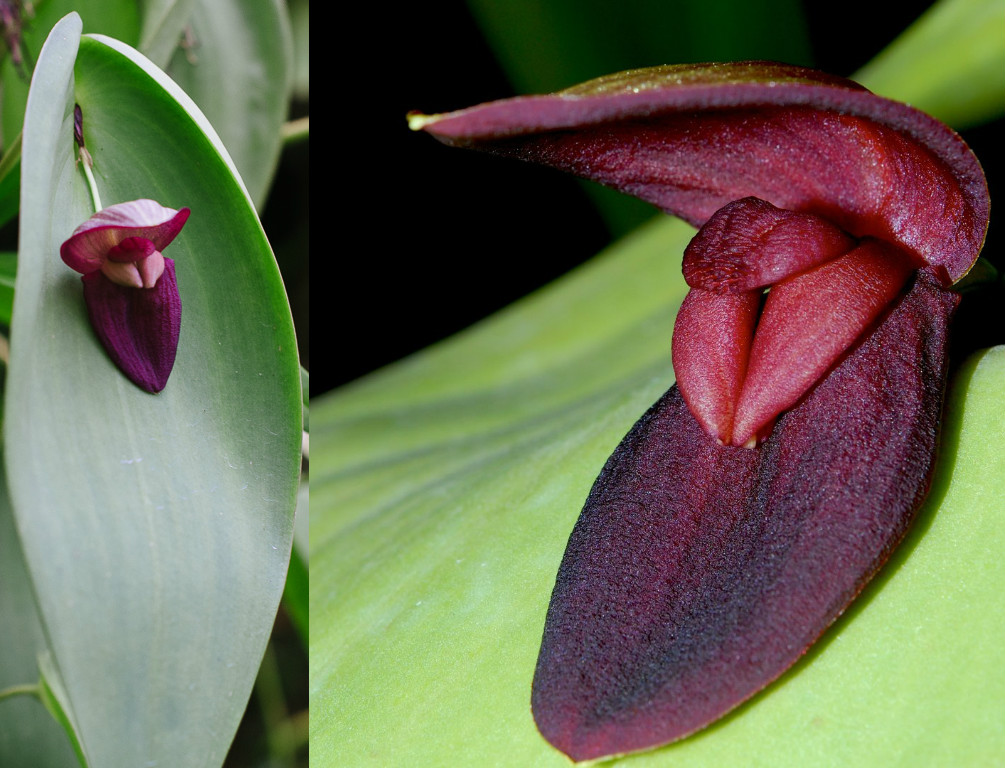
{"x": 447, "y": 237}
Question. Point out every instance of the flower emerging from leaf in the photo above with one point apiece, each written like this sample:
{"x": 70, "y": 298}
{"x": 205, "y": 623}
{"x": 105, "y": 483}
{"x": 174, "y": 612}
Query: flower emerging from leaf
{"x": 700, "y": 570}
{"x": 130, "y": 287}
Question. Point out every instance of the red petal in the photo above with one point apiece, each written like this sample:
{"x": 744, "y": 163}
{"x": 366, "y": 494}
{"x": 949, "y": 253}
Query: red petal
{"x": 750, "y": 243}
{"x": 138, "y": 327}
{"x": 808, "y": 322}
{"x": 691, "y": 139}
{"x": 131, "y": 249}
{"x": 697, "y": 574}
{"x": 711, "y": 343}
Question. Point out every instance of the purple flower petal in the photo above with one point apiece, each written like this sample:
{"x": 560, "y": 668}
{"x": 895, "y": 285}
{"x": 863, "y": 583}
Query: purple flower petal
{"x": 138, "y": 327}
{"x": 692, "y": 138}
{"x": 751, "y": 244}
{"x": 698, "y": 573}
{"x": 90, "y": 244}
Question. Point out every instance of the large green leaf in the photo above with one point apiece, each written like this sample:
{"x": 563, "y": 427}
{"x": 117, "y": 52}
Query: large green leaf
{"x": 239, "y": 70}
{"x": 25, "y": 727}
{"x": 156, "y": 529}
{"x": 950, "y": 63}
{"x": 163, "y": 25}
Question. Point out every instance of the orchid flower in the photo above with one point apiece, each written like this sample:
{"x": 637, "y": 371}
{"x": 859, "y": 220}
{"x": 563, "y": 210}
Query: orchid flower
{"x": 750, "y": 505}
{"x": 130, "y": 287}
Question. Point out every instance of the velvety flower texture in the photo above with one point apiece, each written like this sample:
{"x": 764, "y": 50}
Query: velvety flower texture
{"x": 750, "y": 505}
{"x": 130, "y": 287}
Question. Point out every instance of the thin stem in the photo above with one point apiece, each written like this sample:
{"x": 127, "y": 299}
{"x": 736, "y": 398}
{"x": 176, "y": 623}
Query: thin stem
{"x": 86, "y": 163}
{"x": 26, "y": 689}
{"x": 295, "y": 131}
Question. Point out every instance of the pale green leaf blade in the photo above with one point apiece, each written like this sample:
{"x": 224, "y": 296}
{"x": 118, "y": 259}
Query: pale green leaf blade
{"x": 55, "y": 700}
{"x": 26, "y": 728}
{"x": 300, "y": 26}
{"x": 156, "y": 529}
{"x": 445, "y": 488}
{"x": 950, "y": 63}
{"x": 163, "y": 25}
{"x": 239, "y": 69}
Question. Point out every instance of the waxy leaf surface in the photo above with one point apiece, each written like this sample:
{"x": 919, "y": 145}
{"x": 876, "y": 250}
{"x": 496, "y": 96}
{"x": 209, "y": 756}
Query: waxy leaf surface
{"x": 156, "y": 529}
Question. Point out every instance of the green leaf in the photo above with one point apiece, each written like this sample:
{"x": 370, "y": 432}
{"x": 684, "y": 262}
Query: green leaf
{"x": 450, "y": 483}
{"x": 295, "y": 595}
{"x": 54, "y": 698}
{"x": 239, "y": 70}
{"x": 8, "y": 272}
{"x": 300, "y": 25}
{"x": 163, "y": 25}
{"x": 26, "y": 729}
{"x": 950, "y": 63}
{"x": 156, "y": 529}
{"x": 10, "y": 184}
{"x": 305, "y": 388}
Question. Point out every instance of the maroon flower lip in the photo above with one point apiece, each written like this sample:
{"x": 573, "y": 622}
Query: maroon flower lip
{"x": 130, "y": 288}
{"x": 744, "y": 512}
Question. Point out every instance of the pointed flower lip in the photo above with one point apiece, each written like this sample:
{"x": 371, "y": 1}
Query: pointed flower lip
{"x": 692, "y": 138}
{"x": 130, "y": 288}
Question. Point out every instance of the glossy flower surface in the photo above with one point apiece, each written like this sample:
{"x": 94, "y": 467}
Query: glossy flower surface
{"x": 833, "y": 224}
{"x": 130, "y": 287}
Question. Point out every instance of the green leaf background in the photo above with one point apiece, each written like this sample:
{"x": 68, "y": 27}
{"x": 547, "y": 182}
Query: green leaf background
{"x": 156, "y": 529}
{"x": 445, "y": 487}
{"x": 247, "y": 45}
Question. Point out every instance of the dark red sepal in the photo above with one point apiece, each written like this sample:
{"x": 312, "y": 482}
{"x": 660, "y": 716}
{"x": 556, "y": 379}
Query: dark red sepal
{"x": 138, "y": 327}
{"x": 691, "y": 139}
{"x": 698, "y": 573}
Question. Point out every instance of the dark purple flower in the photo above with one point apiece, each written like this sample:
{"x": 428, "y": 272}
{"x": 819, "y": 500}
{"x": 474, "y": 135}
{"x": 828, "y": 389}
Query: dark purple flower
{"x": 744, "y": 512}
{"x": 130, "y": 287}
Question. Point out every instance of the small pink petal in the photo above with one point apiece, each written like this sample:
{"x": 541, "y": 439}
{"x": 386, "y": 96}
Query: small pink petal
{"x": 125, "y": 274}
{"x": 151, "y": 268}
{"x": 711, "y": 343}
{"x": 808, "y": 322}
{"x": 750, "y": 243}
{"x": 138, "y": 328}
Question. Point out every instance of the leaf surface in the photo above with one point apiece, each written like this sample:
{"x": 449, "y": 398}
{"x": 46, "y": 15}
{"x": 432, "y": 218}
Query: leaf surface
{"x": 156, "y": 529}
{"x": 238, "y": 68}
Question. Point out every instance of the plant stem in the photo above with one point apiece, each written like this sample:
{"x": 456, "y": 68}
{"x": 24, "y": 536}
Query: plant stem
{"x": 26, "y": 689}
{"x": 295, "y": 131}
{"x": 95, "y": 197}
